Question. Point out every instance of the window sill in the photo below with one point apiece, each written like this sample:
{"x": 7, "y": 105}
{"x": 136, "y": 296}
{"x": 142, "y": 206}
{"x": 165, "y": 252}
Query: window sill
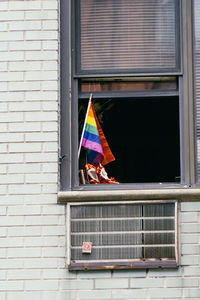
{"x": 140, "y": 264}
{"x": 189, "y": 194}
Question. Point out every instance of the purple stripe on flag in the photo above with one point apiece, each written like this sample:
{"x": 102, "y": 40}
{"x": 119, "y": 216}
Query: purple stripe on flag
{"x": 92, "y": 146}
{"x": 98, "y": 159}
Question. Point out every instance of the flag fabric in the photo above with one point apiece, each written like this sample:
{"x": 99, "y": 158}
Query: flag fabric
{"x": 95, "y": 141}
{"x": 91, "y": 139}
{"x": 108, "y": 156}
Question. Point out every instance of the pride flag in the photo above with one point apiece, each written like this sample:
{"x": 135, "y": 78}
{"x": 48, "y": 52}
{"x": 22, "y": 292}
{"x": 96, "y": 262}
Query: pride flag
{"x": 94, "y": 140}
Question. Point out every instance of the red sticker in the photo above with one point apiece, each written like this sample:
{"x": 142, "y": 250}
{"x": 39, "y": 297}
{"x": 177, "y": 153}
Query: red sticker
{"x": 87, "y": 247}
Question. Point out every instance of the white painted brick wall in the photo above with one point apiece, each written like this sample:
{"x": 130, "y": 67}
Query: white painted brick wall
{"x": 32, "y": 232}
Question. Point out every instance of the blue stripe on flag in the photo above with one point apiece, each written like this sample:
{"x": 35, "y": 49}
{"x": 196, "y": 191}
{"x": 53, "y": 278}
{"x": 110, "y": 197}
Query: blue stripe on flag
{"x": 91, "y": 137}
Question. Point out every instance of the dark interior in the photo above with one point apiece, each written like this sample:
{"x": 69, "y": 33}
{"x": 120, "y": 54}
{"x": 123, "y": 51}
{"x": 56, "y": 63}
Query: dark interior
{"x": 143, "y": 135}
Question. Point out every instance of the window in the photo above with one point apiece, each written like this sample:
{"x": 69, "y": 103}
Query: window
{"x": 143, "y": 134}
{"x": 139, "y": 115}
{"x": 139, "y": 62}
{"x": 129, "y": 36}
{"x": 122, "y": 235}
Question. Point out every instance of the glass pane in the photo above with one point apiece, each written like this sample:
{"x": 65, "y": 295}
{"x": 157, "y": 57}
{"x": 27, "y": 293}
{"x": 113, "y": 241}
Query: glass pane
{"x": 128, "y": 35}
{"x": 130, "y": 84}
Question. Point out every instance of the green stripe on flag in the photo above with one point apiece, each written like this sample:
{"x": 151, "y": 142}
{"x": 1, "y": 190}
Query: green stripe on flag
{"x": 91, "y": 129}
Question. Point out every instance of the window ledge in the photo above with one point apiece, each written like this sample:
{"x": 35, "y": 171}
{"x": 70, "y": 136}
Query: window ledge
{"x": 190, "y": 194}
{"x": 169, "y": 263}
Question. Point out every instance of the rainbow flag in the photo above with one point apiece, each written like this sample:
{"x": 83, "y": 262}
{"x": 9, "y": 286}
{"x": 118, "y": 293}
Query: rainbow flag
{"x": 95, "y": 141}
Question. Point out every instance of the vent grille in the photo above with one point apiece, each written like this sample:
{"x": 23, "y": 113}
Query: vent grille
{"x": 123, "y": 232}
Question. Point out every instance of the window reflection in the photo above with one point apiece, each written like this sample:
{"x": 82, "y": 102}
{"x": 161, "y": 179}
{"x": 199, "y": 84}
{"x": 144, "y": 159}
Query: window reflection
{"x": 136, "y": 84}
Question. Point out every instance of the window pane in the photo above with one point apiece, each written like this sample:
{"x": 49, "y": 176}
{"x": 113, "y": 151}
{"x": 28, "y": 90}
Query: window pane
{"x": 143, "y": 135}
{"x": 128, "y": 35}
{"x": 131, "y": 84}
{"x": 197, "y": 77}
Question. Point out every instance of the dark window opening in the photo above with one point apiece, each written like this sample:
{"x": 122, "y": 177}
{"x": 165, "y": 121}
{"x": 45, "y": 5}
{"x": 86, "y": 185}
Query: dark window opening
{"x": 143, "y": 135}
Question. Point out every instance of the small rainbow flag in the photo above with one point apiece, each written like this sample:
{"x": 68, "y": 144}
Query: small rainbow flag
{"x": 95, "y": 141}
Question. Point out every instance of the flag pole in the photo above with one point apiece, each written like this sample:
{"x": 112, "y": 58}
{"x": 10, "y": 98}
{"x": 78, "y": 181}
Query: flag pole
{"x": 90, "y": 100}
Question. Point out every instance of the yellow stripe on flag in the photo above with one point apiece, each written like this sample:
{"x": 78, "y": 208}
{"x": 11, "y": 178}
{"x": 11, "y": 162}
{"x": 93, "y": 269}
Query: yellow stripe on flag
{"x": 91, "y": 121}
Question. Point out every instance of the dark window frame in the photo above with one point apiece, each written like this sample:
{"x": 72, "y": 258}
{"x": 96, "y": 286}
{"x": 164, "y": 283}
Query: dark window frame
{"x": 69, "y": 108}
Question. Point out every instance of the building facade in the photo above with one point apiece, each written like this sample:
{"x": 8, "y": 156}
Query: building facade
{"x": 37, "y": 116}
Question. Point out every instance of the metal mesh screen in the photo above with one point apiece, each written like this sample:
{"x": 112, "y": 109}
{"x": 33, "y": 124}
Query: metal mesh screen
{"x": 123, "y": 231}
